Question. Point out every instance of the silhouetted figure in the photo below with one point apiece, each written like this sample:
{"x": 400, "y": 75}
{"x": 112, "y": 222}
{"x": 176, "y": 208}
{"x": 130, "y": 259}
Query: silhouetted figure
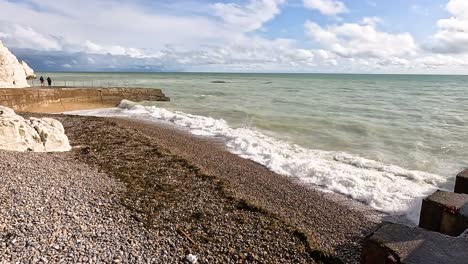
{"x": 49, "y": 81}
{"x": 42, "y": 81}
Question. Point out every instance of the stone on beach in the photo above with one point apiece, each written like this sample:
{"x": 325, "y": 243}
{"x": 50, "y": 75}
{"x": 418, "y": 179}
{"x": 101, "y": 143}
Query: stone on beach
{"x": 13, "y": 74}
{"x": 192, "y": 258}
{"x": 38, "y": 135}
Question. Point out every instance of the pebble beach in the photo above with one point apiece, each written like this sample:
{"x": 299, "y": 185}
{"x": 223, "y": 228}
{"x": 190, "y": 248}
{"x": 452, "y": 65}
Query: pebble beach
{"x": 236, "y": 131}
{"x": 133, "y": 192}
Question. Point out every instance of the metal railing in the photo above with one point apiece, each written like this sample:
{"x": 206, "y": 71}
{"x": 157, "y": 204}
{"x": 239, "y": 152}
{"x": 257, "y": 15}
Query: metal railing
{"x": 86, "y": 84}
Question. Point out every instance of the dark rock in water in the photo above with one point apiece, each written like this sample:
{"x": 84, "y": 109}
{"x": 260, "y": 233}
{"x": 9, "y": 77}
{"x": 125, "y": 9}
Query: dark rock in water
{"x": 219, "y": 82}
{"x": 445, "y": 212}
{"x": 268, "y": 82}
{"x": 461, "y": 184}
{"x": 395, "y": 243}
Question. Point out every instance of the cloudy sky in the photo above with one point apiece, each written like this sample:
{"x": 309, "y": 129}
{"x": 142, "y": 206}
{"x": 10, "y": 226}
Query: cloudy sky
{"x": 347, "y": 36}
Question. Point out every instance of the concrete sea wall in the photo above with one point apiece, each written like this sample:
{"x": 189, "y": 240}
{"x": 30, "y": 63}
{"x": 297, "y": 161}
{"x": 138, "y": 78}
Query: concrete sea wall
{"x": 68, "y": 99}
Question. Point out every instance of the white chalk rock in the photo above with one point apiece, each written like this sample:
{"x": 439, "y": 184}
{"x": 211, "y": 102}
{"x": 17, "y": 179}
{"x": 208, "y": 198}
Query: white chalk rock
{"x": 28, "y": 71}
{"x": 17, "y": 135}
{"x": 35, "y": 134}
{"x": 12, "y": 72}
{"x": 6, "y": 112}
{"x": 52, "y": 134}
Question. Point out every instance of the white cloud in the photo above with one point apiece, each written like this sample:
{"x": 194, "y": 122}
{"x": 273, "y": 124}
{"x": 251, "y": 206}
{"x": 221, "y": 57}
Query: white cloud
{"x": 371, "y": 21}
{"x": 362, "y": 47}
{"x": 103, "y": 27}
{"x": 105, "y": 22}
{"x": 326, "y": 7}
{"x": 177, "y": 42}
{"x": 440, "y": 60}
{"x": 458, "y": 8}
{"x": 27, "y": 37}
{"x": 248, "y": 17}
{"x": 452, "y": 34}
{"x": 94, "y": 48}
{"x": 88, "y": 34}
{"x": 361, "y": 40}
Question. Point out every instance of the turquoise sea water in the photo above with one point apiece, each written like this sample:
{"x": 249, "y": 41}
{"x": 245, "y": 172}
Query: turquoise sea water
{"x": 418, "y": 124}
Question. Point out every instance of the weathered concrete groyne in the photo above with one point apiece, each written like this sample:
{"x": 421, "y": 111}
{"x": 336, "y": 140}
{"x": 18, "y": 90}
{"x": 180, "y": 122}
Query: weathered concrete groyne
{"x": 442, "y": 235}
{"x": 68, "y": 99}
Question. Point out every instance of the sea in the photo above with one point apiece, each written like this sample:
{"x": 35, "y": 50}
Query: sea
{"x": 387, "y": 141}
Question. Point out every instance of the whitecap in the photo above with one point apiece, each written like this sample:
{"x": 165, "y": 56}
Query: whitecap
{"x": 385, "y": 187}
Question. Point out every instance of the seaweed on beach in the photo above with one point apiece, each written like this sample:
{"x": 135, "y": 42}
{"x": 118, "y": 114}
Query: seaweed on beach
{"x": 167, "y": 192}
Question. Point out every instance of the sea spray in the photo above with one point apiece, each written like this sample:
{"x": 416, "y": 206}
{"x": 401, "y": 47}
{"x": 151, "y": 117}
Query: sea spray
{"x": 387, "y": 188}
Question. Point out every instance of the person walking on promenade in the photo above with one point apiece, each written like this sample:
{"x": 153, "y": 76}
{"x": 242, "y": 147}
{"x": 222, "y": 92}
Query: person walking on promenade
{"x": 49, "y": 81}
{"x": 42, "y": 81}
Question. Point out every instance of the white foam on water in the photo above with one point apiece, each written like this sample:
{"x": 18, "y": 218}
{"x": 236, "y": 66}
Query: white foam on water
{"x": 386, "y": 188}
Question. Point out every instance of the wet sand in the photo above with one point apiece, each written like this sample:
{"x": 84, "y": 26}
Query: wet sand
{"x": 59, "y": 107}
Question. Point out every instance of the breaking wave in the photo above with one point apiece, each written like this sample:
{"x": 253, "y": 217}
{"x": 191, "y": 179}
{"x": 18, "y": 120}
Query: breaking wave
{"x": 386, "y": 188}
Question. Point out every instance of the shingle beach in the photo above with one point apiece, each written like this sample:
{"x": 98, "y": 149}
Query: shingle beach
{"x": 134, "y": 192}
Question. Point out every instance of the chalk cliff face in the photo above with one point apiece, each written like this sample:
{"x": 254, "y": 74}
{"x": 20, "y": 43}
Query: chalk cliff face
{"x": 13, "y": 74}
{"x": 28, "y": 70}
{"x": 34, "y": 134}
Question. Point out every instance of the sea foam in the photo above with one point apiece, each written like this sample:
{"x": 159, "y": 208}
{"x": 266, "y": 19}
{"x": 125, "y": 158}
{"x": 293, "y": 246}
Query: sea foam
{"x": 387, "y": 188}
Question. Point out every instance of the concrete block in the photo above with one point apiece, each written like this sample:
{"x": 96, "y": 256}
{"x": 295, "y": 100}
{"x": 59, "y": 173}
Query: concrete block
{"x": 461, "y": 184}
{"x": 395, "y": 243}
{"x": 465, "y": 234}
{"x": 445, "y": 212}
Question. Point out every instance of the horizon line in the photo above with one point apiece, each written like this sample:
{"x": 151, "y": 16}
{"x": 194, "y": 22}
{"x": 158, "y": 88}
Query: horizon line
{"x": 207, "y": 72}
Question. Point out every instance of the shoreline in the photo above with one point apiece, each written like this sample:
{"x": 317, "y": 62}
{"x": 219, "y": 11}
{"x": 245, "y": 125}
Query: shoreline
{"x": 169, "y": 176}
{"x": 117, "y": 197}
{"x": 325, "y": 227}
{"x": 219, "y": 145}
{"x": 338, "y": 223}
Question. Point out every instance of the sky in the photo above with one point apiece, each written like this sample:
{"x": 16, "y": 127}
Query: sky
{"x": 322, "y": 36}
